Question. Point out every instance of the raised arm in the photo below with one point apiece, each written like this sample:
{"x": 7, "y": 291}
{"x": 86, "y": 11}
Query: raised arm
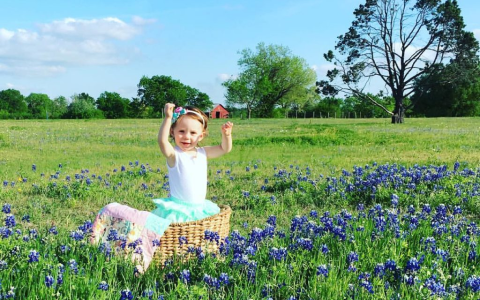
{"x": 225, "y": 146}
{"x": 164, "y": 133}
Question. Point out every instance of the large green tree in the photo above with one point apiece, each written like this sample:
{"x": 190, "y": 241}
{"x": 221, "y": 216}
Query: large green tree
{"x": 59, "y": 108}
{"x": 82, "y": 107}
{"x": 240, "y": 91}
{"x": 113, "y": 105}
{"x": 39, "y": 105}
{"x": 398, "y": 41}
{"x": 267, "y": 75}
{"x": 12, "y": 102}
{"x": 155, "y": 92}
{"x": 437, "y": 97}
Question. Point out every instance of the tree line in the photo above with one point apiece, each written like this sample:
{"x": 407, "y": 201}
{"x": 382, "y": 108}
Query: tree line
{"x": 419, "y": 50}
{"x": 153, "y": 93}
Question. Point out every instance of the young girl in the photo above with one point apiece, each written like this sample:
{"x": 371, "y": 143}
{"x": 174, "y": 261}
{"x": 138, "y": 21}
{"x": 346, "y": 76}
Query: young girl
{"x": 139, "y": 232}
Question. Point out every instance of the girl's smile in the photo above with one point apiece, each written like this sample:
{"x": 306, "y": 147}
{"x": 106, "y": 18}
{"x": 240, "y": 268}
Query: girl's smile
{"x": 188, "y": 132}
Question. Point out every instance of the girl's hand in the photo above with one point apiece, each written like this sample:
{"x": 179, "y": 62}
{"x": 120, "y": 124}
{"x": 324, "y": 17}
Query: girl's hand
{"x": 227, "y": 128}
{"x": 169, "y": 110}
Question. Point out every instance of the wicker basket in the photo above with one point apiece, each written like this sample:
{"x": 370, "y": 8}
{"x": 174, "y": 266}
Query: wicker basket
{"x": 194, "y": 232}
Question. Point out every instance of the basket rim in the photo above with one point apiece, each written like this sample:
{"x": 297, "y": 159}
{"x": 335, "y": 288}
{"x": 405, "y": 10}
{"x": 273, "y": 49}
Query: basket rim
{"x": 224, "y": 209}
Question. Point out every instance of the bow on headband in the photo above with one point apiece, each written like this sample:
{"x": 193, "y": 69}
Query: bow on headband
{"x": 180, "y": 111}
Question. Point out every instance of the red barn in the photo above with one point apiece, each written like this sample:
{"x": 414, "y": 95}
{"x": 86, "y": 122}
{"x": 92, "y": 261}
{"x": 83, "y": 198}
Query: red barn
{"x": 219, "y": 112}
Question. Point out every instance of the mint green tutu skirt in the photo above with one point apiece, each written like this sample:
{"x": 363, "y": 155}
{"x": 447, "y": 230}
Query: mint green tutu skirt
{"x": 176, "y": 210}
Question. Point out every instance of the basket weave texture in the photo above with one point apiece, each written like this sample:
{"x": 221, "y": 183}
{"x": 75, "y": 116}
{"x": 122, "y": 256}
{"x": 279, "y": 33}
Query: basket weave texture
{"x": 194, "y": 232}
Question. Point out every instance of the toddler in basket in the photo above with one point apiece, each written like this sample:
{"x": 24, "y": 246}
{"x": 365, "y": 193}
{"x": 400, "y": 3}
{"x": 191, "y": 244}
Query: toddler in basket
{"x": 140, "y": 231}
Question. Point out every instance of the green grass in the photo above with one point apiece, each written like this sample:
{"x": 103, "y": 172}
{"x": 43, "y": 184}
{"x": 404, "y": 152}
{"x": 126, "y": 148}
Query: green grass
{"x": 325, "y": 145}
{"x": 281, "y": 168}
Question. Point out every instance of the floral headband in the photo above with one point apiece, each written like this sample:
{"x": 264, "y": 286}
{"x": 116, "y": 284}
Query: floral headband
{"x": 180, "y": 111}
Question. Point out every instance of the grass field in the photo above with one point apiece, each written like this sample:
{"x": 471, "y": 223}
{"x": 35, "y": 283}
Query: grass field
{"x": 59, "y": 173}
{"x": 325, "y": 145}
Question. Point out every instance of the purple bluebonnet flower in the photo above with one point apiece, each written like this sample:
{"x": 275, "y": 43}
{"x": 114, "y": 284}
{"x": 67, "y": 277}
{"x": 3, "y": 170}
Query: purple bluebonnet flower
{"x": 10, "y": 221}
{"x": 185, "y": 276}
{"x": 7, "y": 208}
{"x": 224, "y": 279}
{"x": 305, "y": 244}
{"x": 273, "y": 200}
{"x": 252, "y": 271}
{"x": 278, "y": 253}
{"x": 77, "y": 235}
{"x": 352, "y": 257}
{"x": 148, "y": 293}
{"x": 49, "y": 281}
{"x": 443, "y": 254}
{"x": 103, "y": 286}
{"x": 86, "y": 227}
{"x": 53, "y": 230}
{"x": 272, "y": 220}
{"x": 3, "y": 265}
{"x": 251, "y": 250}
{"x": 106, "y": 249}
{"x": 212, "y": 282}
{"x": 73, "y": 266}
{"x": 126, "y": 294}
{"x": 64, "y": 248}
{"x": 212, "y": 236}
{"x": 34, "y": 167}
{"x": 413, "y": 265}
{"x": 112, "y": 235}
{"x": 156, "y": 243}
{"x": 365, "y": 282}
{"x": 33, "y": 256}
{"x": 472, "y": 255}
{"x": 473, "y": 283}
{"x": 182, "y": 240}
{"x": 379, "y": 270}
{"x": 33, "y": 233}
{"x": 322, "y": 270}
{"x": 324, "y": 249}
{"x": 435, "y": 286}
{"x": 394, "y": 199}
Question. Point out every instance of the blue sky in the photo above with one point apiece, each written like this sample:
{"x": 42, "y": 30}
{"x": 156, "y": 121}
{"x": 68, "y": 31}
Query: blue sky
{"x": 65, "y": 47}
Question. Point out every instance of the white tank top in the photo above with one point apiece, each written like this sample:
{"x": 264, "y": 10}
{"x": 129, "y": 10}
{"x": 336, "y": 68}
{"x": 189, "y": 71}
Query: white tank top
{"x": 188, "y": 178}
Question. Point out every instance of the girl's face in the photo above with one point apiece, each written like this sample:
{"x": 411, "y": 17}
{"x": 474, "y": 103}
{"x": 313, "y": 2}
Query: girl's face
{"x": 187, "y": 133}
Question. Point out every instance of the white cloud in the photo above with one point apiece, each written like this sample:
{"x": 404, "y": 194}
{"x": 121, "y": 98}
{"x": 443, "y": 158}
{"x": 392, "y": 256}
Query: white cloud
{"x": 5, "y": 34}
{"x": 96, "y": 29}
{"x": 141, "y": 21}
{"x": 59, "y": 45}
{"x": 223, "y": 77}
